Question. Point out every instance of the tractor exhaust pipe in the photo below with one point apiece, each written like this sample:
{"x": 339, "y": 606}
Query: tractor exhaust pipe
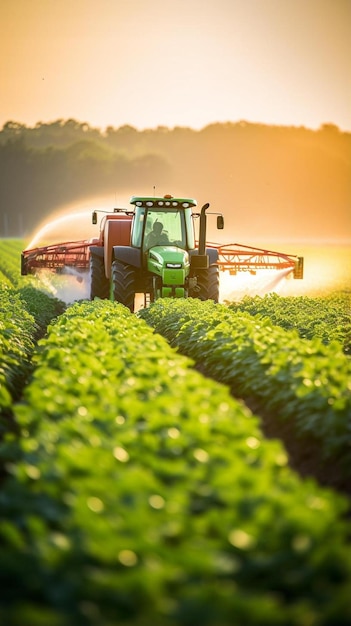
{"x": 202, "y": 234}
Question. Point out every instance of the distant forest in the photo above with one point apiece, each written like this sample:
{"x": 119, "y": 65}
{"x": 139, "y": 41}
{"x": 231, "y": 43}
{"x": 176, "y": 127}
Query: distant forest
{"x": 269, "y": 181}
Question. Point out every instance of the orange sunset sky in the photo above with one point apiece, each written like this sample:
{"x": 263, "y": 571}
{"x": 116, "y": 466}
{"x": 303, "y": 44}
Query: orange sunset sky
{"x": 176, "y": 62}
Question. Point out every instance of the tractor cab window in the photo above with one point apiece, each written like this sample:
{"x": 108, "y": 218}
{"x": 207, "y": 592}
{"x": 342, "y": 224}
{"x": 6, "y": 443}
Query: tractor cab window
{"x": 138, "y": 226}
{"x": 164, "y": 228}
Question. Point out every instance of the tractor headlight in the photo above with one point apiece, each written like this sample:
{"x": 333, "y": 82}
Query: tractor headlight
{"x": 174, "y": 265}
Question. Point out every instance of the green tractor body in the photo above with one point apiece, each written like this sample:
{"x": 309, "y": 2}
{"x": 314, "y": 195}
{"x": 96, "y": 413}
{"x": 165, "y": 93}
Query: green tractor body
{"x": 170, "y": 268}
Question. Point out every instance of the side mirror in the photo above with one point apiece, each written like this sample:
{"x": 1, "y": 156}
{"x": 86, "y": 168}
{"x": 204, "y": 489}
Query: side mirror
{"x": 220, "y": 222}
{"x": 94, "y": 218}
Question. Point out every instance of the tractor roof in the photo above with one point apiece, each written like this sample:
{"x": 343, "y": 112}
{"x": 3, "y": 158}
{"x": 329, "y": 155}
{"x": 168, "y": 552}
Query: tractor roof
{"x": 166, "y": 201}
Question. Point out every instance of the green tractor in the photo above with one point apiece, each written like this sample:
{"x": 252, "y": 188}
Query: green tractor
{"x": 152, "y": 250}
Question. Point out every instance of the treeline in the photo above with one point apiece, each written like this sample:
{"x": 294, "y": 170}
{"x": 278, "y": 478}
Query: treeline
{"x": 269, "y": 181}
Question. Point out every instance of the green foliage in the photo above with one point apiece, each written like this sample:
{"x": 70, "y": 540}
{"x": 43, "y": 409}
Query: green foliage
{"x": 24, "y": 315}
{"x": 10, "y": 261}
{"x": 145, "y": 494}
{"x": 41, "y": 305}
{"x": 305, "y": 383}
{"x": 17, "y": 329}
{"x": 328, "y": 318}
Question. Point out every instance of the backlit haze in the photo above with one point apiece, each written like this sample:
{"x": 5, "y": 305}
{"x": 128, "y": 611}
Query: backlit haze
{"x": 176, "y": 62}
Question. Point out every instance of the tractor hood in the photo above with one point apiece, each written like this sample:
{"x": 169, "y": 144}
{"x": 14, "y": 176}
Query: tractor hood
{"x": 170, "y": 257}
{"x": 171, "y": 264}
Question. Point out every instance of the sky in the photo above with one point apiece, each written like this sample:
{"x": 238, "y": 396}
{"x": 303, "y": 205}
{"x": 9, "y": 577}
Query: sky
{"x": 150, "y": 63}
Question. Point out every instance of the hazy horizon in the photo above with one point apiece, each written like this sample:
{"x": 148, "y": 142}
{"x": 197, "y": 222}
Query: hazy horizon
{"x": 103, "y": 129}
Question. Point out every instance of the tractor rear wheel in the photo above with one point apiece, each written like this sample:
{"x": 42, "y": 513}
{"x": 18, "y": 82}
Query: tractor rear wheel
{"x": 123, "y": 279}
{"x": 208, "y": 283}
{"x": 99, "y": 284}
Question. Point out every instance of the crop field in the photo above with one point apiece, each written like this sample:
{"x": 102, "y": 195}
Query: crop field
{"x": 186, "y": 465}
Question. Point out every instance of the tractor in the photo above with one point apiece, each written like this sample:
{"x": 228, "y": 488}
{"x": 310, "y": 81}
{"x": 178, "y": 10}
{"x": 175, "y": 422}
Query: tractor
{"x": 151, "y": 249}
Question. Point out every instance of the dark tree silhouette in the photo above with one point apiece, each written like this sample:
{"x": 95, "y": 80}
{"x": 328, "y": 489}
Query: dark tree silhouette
{"x": 270, "y": 181}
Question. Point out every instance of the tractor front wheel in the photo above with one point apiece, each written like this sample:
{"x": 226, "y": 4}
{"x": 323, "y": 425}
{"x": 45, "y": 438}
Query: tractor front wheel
{"x": 99, "y": 284}
{"x": 208, "y": 284}
{"x": 123, "y": 279}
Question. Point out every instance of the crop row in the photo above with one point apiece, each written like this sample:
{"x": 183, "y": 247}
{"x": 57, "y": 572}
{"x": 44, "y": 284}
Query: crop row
{"x": 17, "y": 329}
{"x": 328, "y": 318}
{"x": 304, "y": 383}
{"x": 24, "y": 315}
{"x": 10, "y": 257}
{"x": 144, "y": 494}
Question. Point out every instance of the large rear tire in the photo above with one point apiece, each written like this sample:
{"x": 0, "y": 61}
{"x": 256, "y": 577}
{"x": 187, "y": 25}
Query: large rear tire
{"x": 123, "y": 279}
{"x": 99, "y": 284}
{"x": 208, "y": 284}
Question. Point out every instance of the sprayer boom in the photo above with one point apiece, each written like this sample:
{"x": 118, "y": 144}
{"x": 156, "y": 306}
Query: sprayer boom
{"x": 232, "y": 257}
{"x": 56, "y": 257}
{"x": 235, "y": 257}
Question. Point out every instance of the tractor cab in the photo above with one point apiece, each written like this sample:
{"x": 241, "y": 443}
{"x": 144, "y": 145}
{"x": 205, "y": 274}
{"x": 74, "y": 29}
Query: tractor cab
{"x": 163, "y": 221}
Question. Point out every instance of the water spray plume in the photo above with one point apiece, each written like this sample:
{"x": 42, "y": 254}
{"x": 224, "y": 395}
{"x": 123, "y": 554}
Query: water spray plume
{"x": 275, "y": 282}
{"x": 246, "y": 284}
{"x": 66, "y": 227}
{"x": 73, "y": 222}
{"x": 68, "y": 286}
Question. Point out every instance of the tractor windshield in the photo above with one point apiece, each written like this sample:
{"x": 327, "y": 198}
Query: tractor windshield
{"x": 153, "y": 227}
